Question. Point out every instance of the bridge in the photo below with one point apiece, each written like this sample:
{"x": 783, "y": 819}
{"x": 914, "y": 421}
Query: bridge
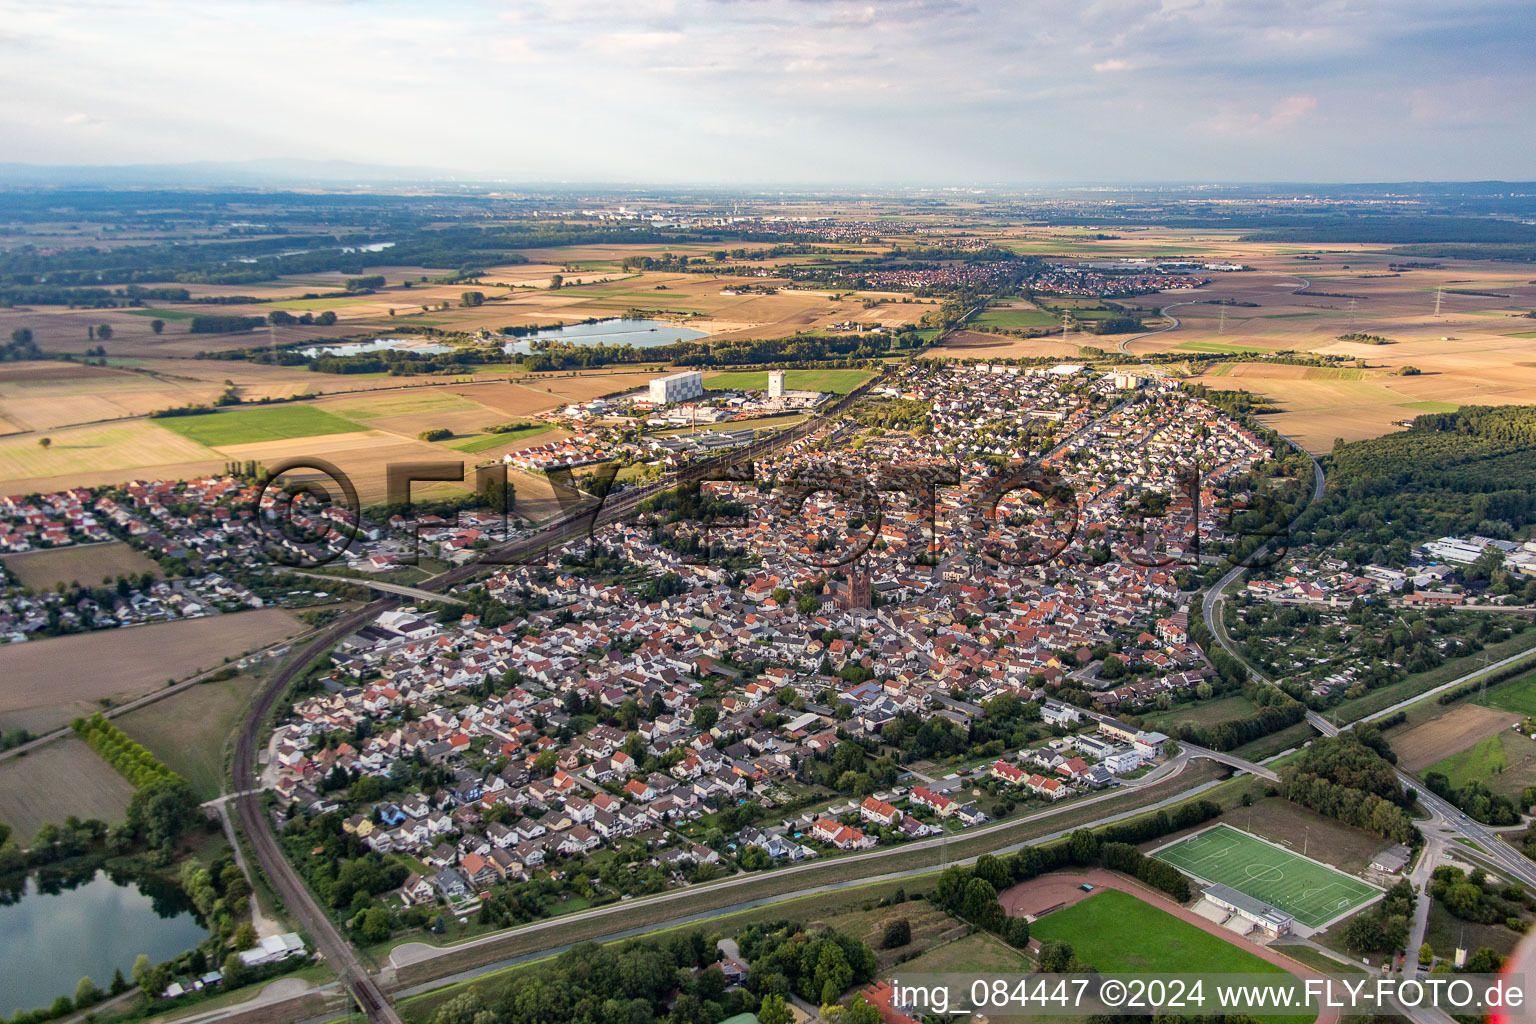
{"x": 390, "y": 588}
{"x": 1231, "y": 761}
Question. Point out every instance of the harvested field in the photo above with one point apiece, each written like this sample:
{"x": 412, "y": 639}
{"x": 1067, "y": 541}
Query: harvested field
{"x": 77, "y": 672}
{"x": 410, "y": 413}
{"x": 61, "y": 779}
{"x": 87, "y": 563}
{"x": 363, "y": 455}
{"x": 975, "y": 345}
{"x": 120, "y": 450}
{"x": 1451, "y": 733}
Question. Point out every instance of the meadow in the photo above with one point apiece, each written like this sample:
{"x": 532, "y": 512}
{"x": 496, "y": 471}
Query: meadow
{"x": 1505, "y": 763}
{"x": 1517, "y": 695}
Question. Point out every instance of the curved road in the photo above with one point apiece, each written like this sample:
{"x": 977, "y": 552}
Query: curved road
{"x": 1125, "y": 342}
{"x": 254, "y": 822}
{"x": 1213, "y": 596}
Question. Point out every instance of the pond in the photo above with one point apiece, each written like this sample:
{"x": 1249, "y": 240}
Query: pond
{"x": 615, "y": 331}
{"x": 357, "y": 348}
{"x": 57, "y": 929}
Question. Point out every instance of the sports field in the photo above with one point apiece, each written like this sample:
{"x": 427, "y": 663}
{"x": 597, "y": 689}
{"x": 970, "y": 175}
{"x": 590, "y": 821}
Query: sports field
{"x": 1312, "y": 893}
{"x": 1120, "y": 934}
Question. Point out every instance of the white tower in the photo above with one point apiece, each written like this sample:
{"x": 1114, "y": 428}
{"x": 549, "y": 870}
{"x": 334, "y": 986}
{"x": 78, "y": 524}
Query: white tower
{"x": 776, "y": 383}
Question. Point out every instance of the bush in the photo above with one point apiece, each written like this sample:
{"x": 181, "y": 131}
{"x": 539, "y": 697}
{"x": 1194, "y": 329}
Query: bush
{"x": 436, "y": 434}
{"x": 898, "y": 932}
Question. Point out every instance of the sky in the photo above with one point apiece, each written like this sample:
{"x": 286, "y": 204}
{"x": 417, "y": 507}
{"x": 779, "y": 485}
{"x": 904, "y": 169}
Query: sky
{"x": 758, "y": 92}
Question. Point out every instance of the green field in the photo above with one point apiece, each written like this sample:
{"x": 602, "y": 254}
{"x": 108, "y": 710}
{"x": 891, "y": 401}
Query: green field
{"x": 1205, "y": 712}
{"x": 838, "y": 382}
{"x": 1477, "y": 763}
{"x": 269, "y": 423}
{"x": 1008, "y": 319}
{"x": 162, "y": 314}
{"x": 483, "y": 443}
{"x": 1312, "y": 893}
{"x": 1119, "y": 934}
{"x": 1517, "y": 695}
{"x": 1504, "y": 762}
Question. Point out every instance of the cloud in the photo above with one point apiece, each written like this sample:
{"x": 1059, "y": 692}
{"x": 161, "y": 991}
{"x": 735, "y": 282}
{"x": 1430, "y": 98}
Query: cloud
{"x": 1231, "y": 120}
{"x": 950, "y": 91}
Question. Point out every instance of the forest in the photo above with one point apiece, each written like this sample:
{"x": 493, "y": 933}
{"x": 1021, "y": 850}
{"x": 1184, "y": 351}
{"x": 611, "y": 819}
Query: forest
{"x": 1350, "y": 777}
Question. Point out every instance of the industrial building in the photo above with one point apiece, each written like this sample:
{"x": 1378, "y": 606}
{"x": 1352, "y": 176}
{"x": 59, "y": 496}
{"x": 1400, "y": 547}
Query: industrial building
{"x": 676, "y": 387}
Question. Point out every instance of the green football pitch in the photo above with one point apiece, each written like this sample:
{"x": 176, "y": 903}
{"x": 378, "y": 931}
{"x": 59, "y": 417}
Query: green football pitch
{"x": 1312, "y": 893}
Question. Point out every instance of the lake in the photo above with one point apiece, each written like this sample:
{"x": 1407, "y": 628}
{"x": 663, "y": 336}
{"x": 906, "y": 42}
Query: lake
{"x": 63, "y": 929}
{"x": 639, "y": 333}
{"x": 355, "y": 348}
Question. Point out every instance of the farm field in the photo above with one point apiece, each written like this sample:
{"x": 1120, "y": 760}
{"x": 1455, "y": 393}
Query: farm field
{"x": 119, "y": 664}
{"x": 87, "y": 563}
{"x": 269, "y": 423}
{"x": 1447, "y": 735}
{"x": 1014, "y": 315}
{"x": 509, "y": 440}
{"x": 1313, "y": 893}
{"x": 1120, "y": 934}
{"x": 188, "y": 730}
{"x": 1505, "y": 763}
{"x": 56, "y": 781}
{"x": 838, "y": 382}
{"x": 1517, "y": 696}
{"x": 363, "y": 456}
{"x": 976, "y": 345}
{"x": 77, "y": 452}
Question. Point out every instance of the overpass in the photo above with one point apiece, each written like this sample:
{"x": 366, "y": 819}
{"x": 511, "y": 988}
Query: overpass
{"x": 1231, "y": 761}
{"x": 398, "y": 589}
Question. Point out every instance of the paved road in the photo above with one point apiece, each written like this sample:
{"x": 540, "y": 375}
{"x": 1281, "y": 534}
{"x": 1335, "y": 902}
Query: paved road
{"x": 147, "y": 699}
{"x": 397, "y": 589}
{"x": 418, "y": 954}
{"x": 256, "y": 825}
{"x": 1210, "y": 604}
{"x": 331, "y": 944}
{"x": 1125, "y": 342}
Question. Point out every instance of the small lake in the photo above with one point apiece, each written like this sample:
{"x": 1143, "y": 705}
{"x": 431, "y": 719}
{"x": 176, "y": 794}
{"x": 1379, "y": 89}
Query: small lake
{"x": 639, "y": 333}
{"x": 63, "y": 929}
{"x": 357, "y": 348}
